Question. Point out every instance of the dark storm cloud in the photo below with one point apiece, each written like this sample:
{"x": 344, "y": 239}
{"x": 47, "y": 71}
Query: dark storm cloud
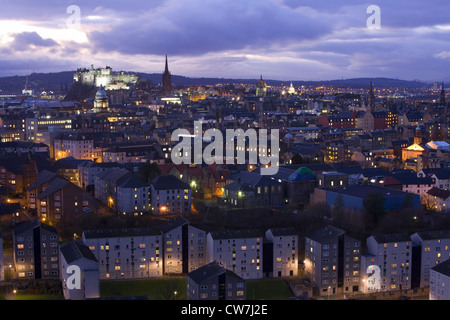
{"x": 23, "y": 41}
{"x": 198, "y": 27}
{"x": 310, "y": 38}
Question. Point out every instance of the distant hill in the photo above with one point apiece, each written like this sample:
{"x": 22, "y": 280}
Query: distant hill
{"x": 53, "y": 82}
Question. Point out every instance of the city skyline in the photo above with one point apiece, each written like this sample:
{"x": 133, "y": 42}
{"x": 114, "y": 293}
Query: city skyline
{"x": 231, "y": 39}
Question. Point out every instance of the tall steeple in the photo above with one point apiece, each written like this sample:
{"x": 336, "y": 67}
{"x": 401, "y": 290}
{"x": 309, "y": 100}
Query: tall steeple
{"x": 167, "y": 65}
{"x": 442, "y": 98}
{"x": 371, "y": 102}
{"x": 166, "y": 80}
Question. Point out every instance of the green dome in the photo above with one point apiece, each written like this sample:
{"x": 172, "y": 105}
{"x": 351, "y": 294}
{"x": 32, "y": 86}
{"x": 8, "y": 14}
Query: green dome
{"x": 302, "y": 173}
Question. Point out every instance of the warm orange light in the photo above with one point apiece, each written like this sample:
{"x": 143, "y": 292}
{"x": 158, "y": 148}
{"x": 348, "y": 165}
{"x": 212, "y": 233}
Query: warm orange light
{"x": 164, "y": 209}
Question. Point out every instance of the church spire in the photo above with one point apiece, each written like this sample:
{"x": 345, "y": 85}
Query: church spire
{"x": 167, "y": 65}
{"x": 371, "y": 102}
{"x": 166, "y": 80}
{"x": 442, "y": 98}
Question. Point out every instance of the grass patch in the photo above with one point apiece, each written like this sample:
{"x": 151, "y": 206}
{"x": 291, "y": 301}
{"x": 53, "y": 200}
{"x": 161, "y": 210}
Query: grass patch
{"x": 37, "y": 297}
{"x": 154, "y": 289}
{"x": 268, "y": 289}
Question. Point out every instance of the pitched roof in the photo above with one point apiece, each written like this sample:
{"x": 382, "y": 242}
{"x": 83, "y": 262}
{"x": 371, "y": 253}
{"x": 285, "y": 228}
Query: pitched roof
{"x": 75, "y": 250}
{"x": 131, "y": 181}
{"x": 209, "y": 271}
{"x": 289, "y": 231}
{"x": 434, "y": 234}
{"x": 31, "y": 225}
{"x": 43, "y": 177}
{"x": 120, "y": 232}
{"x": 237, "y": 186}
{"x": 393, "y": 237}
{"x": 236, "y": 234}
{"x": 172, "y": 224}
{"x": 168, "y": 182}
{"x": 254, "y": 179}
{"x": 326, "y": 234}
{"x": 439, "y": 193}
{"x": 54, "y": 185}
{"x": 443, "y": 268}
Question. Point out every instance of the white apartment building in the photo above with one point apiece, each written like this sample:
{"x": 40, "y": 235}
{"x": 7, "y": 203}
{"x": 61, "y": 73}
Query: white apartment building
{"x": 132, "y": 253}
{"x": 76, "y": 254}
{"x": 392, "y": 253}
{"x": 170, "y": 195}
{"x": 105, "y": 184}
{"x": 132, "y": 196}
{"x": 284, "y": 251}
{"x": 77, "y": 145}
{"x": 332, "y": 261}
{"x": 184, "y": 246}
{"x": 240, "y": 251}
{"x": 434, "y": 249}
{"x": 438, "y": 200}
{"x": 440, "y": 281}
{"x": 89, "y": 169}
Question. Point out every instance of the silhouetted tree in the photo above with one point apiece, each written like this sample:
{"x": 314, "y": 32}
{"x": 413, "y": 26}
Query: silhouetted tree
{"x": 374, "y": 206}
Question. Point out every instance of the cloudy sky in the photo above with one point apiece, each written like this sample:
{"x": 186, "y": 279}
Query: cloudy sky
{"x": 280, "y": 39}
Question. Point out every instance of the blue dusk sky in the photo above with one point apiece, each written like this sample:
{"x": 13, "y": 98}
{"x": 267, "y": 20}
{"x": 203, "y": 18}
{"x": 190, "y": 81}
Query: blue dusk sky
{"x": 279, "y": 39}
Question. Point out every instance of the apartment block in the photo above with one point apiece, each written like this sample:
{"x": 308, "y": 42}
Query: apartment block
{"x": 240, "y": 251}
{"x": 280, "y": 250}
{"x": 214, "y": 282}
{"x": 440, "y": 281}
{"x": 86, "y": 283}
{"x": 332, "y": 261}
{"x": 53, "y": 197}
{"x": 170, "y": 195}
{"x": 127, "y": 253}
{"x": 36, "y": 251}
{"x": 184, "y": 246}
{"x": 429, "y": 249}
{"x": 392, "y": 254}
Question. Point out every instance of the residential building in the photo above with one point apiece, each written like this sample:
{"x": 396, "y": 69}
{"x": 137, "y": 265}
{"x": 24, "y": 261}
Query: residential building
{"x": 130, "y": 153}
{"x": 429, "y": 249}
{"x": 54, "y": 198}
{"x": 240, "y": 251}
{"x": 126, "y": 253}
{"x": 267, "y": 192}
{"x": 392, "y": 254}
{"x": 76, "y": 145}
{"x": 184, "y": 246}
{"x": 87, "y": 171}
{"x": 332, "y": 261}
{"x": 132, "y": 196}
{"x": 36, "y": 251}
{"x": 437, "y": 199}
{"x": 105, "y": 185}
{"x": 76, "y": 254}
{"x": 280, "y": 252}
{"x": 440, "y": 281}
{"x": 214, "y": 282}
{"x": 170, "y": 195}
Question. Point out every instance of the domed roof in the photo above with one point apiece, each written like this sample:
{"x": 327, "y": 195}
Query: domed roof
{"x": 261, "y": 83}
{"x": 302, "y": 173}
{"x": 101, "y": 94}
